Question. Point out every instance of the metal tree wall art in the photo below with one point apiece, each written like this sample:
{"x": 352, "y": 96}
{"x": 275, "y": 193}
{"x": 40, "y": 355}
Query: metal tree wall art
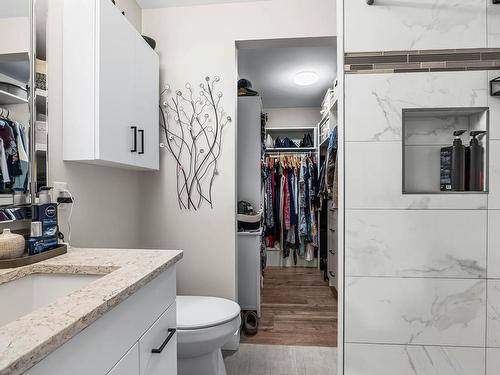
{"x": 193, "y": 127}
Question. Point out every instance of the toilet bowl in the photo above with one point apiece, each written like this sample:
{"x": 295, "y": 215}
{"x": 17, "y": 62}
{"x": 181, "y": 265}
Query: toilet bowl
{"x": 204, "y": 325}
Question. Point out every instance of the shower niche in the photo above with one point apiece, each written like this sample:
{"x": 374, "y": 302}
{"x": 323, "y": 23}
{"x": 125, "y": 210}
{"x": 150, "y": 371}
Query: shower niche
{"x": 426, "y": 132}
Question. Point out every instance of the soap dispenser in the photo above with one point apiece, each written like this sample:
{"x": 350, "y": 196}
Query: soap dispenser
{"x": 453, "y": 165}
{"x": 475, "y": 154}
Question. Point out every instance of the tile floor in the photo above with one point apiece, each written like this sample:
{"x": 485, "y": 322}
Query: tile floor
{"x": 254, "y": 359}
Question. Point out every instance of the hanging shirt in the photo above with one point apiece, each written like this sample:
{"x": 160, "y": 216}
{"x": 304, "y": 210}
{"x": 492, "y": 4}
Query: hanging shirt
{"x": 3, "y": 163}
{"x": 8, "y": 138}
{"x": 21, "y": 148}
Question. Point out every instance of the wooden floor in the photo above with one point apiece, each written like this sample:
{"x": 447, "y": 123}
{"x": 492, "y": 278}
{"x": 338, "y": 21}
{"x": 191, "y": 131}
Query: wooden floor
{"x": 298, "y": 308}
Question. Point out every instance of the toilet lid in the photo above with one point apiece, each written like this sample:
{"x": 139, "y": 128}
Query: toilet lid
{"x": 203, "y": 312}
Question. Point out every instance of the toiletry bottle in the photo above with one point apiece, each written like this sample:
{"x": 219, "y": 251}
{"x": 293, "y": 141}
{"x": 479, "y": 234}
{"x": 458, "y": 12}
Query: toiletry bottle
{"x": 46, "y": 212}
{"x": 35, "y": 243}
{"x": 475, "y": 162}
{"x": 453, "y": 165}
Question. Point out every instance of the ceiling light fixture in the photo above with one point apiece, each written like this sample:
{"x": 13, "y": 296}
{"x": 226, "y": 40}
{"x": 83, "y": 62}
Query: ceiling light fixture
{"x": 306, "y": 78}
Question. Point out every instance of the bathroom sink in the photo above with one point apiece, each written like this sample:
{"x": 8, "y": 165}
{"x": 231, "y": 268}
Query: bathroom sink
{"x": 21, "y": 296}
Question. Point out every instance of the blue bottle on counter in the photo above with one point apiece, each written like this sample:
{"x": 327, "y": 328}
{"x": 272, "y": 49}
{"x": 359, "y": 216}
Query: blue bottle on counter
{"x": 46, "y": 213}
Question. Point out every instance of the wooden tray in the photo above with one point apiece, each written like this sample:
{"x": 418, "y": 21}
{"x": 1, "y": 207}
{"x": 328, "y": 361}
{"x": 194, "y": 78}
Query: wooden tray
{"x": 27, "y": 260}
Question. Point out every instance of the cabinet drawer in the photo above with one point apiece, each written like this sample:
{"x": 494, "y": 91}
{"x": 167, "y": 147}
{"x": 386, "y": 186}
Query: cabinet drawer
{"x": 161, "y": 338}
{"x": 129, "y": 364}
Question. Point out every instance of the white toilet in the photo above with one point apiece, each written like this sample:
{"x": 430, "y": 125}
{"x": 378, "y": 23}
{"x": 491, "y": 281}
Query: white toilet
{"x": 204, "y": 325}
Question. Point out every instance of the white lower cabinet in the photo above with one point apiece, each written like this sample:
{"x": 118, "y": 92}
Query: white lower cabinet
{"x": 156, "y": 351}
{"x": 121, "y": 342}
{"x": 158, "y": 347}
{"x": 129, "y": 364}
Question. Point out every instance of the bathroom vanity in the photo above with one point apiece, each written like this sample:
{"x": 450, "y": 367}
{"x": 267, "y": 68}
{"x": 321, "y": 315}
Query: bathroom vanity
{"x": 91, "y": 311}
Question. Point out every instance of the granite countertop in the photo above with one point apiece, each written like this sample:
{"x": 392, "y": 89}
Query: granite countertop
{"x": 26, "y": 341}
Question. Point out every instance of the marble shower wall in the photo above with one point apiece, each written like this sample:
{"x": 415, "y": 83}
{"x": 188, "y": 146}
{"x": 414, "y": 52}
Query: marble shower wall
{"x": 422, "y": 272}
{"x": 395, "y": 25}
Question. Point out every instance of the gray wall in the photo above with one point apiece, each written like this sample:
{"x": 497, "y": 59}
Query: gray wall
{"x": 421, "y": 271}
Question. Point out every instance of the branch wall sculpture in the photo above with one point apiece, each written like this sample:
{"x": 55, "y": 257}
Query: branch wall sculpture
{"x": 193, "y": 129}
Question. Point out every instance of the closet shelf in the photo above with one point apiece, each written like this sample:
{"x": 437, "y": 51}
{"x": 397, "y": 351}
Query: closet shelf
{"x": 291, "y": 129}
{"x": 7, "y": 98}
{"x": 291, "y": 149}
{"x": 256, "y": 233}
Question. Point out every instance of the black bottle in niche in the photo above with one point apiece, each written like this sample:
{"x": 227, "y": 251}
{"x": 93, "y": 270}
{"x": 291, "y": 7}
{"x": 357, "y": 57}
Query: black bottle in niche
{"x": 475, "y": 162}
{"x": 453, "y": 165}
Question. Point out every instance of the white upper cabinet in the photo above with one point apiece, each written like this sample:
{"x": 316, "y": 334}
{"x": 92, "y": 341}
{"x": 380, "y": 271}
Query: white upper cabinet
{"x": 391, "y": 25}
{"x": 111, "y": 89}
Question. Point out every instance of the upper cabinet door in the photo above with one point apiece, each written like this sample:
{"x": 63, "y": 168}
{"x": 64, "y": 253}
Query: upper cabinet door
{"x": 111, "y": 89}
{"x": 146, "y": 105}
{"x": 116, "y": 89}
{"x": 392, "y": 25}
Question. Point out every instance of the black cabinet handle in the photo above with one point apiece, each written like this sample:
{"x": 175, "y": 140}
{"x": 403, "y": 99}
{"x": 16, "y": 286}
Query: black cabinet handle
{"x": 141, "y": 131}
{"x": 171, "y": 333}
{"x": 332, "y": 274}
{"x": 332, "y": 252}
{"x": 134, "y": 129}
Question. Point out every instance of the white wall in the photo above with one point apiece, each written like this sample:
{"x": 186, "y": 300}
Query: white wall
{"x": 194, "y": 42}
{"x": 107, "y": 210}
{"x": 293, "y": 117}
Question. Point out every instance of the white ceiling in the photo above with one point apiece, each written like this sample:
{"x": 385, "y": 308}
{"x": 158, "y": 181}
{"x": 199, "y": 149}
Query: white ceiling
{"x": 182, "y": 3}
{"x": 14, "y": 8}
{"x": 271, "y": 71}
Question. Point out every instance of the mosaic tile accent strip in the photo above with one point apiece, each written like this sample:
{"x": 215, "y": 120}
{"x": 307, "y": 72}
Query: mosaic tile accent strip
{"x": 422, "y": 61}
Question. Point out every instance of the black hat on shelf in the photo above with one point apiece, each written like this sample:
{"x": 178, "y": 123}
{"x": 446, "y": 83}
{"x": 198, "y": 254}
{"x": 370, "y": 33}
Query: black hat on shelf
{"x": 245, "y": 88}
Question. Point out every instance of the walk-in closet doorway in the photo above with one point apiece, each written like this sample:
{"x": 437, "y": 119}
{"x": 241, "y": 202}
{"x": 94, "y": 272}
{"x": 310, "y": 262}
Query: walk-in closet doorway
{"x": 287, "y": 199}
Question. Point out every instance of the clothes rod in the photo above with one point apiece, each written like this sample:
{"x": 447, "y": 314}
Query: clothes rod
{"x": 290, "y": 152}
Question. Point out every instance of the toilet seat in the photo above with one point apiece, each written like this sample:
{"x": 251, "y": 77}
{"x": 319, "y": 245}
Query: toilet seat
{"x": 197, "y": 312}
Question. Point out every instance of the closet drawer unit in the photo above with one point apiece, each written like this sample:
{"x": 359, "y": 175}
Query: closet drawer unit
{"x": 158, "y": 346}
{"x": 332, "y": 258}
{"x": 333, "y": 268}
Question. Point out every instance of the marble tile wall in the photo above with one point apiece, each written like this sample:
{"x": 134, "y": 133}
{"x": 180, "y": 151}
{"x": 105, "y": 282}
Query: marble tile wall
{"x": 421, "y": 294}
{"x": 422, "y": 61}
{"x": 414, "y": 359}
{"x": 424, "y": 24}
{"x": 418, "y": 243}
{"x": 493, "y": 25}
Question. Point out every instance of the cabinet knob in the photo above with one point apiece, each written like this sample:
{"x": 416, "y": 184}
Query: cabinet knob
{"x": 332, "y": 274}
{"x": 332, "y": 252}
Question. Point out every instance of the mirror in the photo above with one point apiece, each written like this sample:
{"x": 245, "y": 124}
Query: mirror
{"x": 23, "y": 117}
{"x": 41, "y": 96}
